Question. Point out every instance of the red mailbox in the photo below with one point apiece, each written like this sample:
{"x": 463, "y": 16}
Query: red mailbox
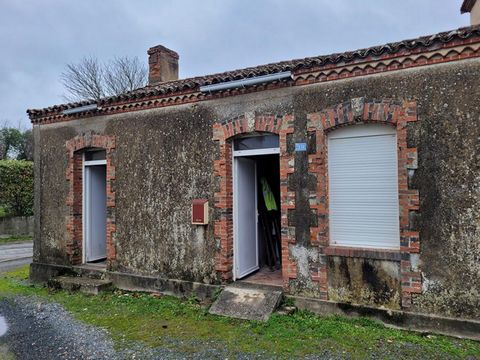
{"x": 200, "y": 212}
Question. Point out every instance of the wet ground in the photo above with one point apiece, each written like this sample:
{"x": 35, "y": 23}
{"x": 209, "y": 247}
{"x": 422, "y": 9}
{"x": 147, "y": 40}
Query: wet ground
{"x": 31, "y": 329}
{"x": 15, "y": 254}
{"x": 3, "y": 326}
{"x": 40, "y": 330}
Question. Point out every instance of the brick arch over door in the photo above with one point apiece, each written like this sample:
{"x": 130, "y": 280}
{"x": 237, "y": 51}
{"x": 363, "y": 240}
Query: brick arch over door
{"x": 360, "y": 111}
{"x": 223, "y": 133}
{"x": 75, "y": 149}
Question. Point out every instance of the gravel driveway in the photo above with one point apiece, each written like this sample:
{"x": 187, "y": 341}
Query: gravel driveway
{"x": 40, "y": 330}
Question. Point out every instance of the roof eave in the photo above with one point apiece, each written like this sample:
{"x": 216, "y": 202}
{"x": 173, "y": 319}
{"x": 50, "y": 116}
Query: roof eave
{"x": 296, "y": 66}
{"x": 467, "y": 6}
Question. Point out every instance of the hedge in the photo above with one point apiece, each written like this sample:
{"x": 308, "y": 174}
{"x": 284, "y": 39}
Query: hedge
{"x": 16, "y": 187}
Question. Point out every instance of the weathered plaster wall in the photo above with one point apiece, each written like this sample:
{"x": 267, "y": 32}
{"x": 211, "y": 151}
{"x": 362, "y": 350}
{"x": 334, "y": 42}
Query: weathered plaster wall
{"x": 162, "y": 164}
{"x": 448, "y": 176}
{"x": 16, "y": 225}
{"x": 364, "y": 281}
{"x": 475, "y": 14}
{"x": 50, "y": 194}
{"x": 164, "y": 159}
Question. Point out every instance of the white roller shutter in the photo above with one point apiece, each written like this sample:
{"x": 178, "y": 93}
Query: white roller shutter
{"x": 363, "y": 185}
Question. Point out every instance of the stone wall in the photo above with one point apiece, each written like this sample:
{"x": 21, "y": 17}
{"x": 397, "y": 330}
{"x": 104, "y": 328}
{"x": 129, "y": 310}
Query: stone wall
{"x": 15, "y": 226}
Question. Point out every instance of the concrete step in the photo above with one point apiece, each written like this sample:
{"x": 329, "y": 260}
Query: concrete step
{"x": 93, "y": 271}
{"x": 247, "y": 303}
{"x": 244, "y": 284}
{"x": 85, "y": 285}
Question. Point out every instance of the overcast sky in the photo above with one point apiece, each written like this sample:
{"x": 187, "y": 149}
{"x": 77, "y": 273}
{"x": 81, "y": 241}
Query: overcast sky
{"x": 38, "y": 37}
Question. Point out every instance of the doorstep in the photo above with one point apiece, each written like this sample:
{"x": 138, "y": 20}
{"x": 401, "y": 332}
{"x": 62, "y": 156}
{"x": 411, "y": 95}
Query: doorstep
{"x": 85, "y": 285}
{"x": 246, "y": 302}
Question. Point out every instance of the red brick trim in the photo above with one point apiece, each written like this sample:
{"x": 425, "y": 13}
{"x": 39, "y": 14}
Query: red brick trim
{"x": 74, "y": 174}
{"x": 223, "y": 133}
{"x": 394, "y": 113}
{"x": 386, "y": 63}
{"x": 455, "y": 51}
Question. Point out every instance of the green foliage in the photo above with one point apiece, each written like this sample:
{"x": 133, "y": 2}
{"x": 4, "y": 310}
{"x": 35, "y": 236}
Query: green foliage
{"x": 216, "y": 293}
{"x": 5, "y": 354}
{"x": 10, "y": 139}
{"x": 16, "y": 187}
{"x": 25, "y": 147}
{"x": 185, "y": 325}
{"x": 15, "y": 239}
{"x": 288, "y": 301}
{"x": 16, "y": 144}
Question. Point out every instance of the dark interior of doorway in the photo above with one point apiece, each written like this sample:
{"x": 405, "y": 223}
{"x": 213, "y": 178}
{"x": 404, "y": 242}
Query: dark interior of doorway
{"x": 269, "y": 225}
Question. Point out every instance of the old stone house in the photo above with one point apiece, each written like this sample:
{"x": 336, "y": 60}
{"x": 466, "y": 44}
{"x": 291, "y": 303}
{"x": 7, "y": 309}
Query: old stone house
{"x": 372, "y": 156}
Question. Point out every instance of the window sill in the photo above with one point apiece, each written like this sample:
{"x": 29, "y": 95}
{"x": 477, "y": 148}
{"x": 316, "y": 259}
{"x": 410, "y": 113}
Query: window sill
{"x": 377, "y": 254}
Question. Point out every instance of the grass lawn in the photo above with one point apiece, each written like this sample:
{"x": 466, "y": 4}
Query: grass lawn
{"x": 170, "y": 322}
{"x": 14, "y": 239}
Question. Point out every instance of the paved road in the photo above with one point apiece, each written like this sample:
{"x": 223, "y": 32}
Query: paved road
{"x": 15, "y": 255}
{"x": 12, "y": 256}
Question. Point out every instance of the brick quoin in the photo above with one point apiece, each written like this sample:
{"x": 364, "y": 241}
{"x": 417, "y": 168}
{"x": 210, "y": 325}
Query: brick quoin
{"x": 223, "y": 133}
{"x": 356, "y": 111}
{"x": 75, "y": 149}
{"x": 350, "y": 113}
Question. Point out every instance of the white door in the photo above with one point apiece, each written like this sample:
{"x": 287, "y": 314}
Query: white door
{"x": 95, "y": 212}
{"x": 245, "y": 217}
{"x": 363, "y": 184}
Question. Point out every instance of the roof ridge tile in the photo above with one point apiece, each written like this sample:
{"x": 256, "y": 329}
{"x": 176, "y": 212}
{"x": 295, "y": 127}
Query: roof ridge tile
{"x": 269, "y": 68}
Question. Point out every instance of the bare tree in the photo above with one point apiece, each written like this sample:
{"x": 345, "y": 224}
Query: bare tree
{"x": 124, "y": 74}
{"x": 83, "y": 81}
{"x": 92, "y": 80}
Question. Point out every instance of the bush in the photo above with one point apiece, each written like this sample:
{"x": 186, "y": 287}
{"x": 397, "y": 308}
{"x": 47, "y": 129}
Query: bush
{"x": 16, "y": 187}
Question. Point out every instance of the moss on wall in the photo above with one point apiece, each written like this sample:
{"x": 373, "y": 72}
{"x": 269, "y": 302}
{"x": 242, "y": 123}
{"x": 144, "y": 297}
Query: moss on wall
{"x": 364, "y": 281}
{"x": 164, "y": 159}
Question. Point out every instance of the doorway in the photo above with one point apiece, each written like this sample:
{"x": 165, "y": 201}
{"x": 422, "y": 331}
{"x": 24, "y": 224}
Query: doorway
{"x": 95, "y": 205}
{"x": 257, "y": 236}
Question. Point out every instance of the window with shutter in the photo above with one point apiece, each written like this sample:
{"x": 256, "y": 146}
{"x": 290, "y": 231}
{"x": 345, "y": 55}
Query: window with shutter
{"x": 363, "y": 187}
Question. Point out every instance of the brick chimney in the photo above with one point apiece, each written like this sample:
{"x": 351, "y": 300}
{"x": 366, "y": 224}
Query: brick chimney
{"x": 473, "y": 7}
{"x": 162, "y": 64}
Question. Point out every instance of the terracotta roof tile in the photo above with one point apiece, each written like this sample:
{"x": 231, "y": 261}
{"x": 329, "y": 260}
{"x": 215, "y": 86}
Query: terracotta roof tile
{"x": 189, "y": 84}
